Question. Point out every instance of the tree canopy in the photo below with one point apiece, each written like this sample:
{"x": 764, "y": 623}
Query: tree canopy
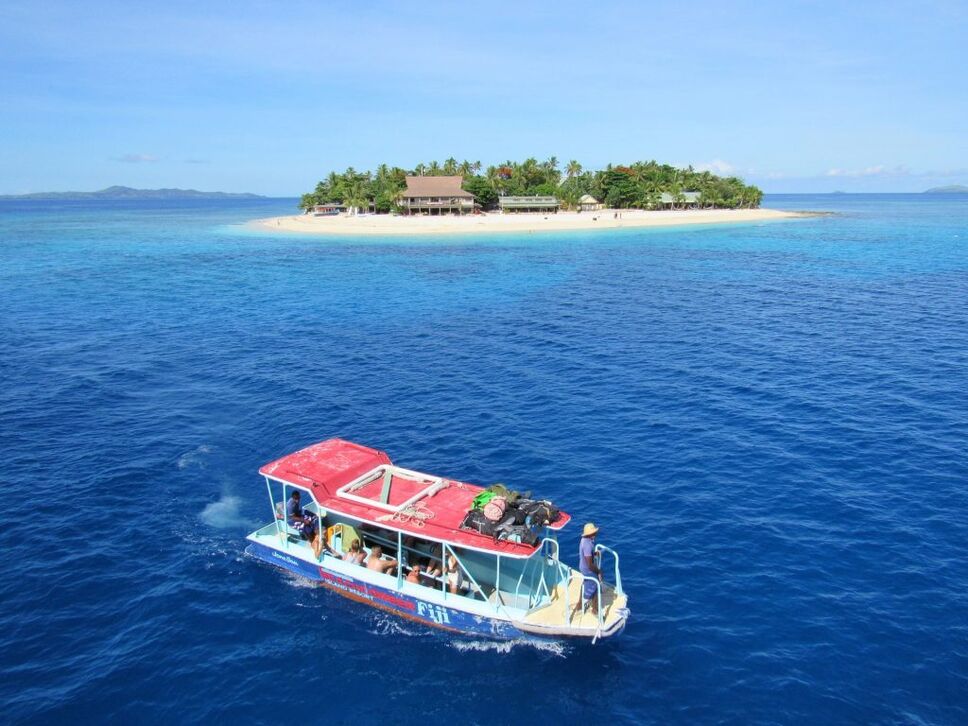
{"x": 637, "y": 186}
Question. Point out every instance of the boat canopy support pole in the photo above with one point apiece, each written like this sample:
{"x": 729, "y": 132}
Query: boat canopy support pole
{"x": 272, "y": 505}
{"x": 285, "y": 518}
{"x": 400, "y": 560}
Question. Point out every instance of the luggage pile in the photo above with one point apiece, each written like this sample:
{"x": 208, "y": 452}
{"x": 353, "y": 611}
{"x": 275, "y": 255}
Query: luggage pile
{"x": 505, "y": 514}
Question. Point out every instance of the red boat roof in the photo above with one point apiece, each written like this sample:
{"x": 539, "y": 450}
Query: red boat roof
{"x": 325, "y": 467}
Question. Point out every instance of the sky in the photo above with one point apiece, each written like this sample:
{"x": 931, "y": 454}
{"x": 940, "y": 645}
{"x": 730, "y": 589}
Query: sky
{"x": 269, "y": 97}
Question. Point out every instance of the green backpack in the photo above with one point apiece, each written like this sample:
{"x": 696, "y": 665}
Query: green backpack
{"x": 483, "y": 498}
{"x": 500, "y": 490}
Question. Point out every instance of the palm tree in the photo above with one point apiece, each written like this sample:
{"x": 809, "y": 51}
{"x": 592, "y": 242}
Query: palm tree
{"x": 450, "y": 166}
{"x": 419, "y": 170}
{"x": 573, "y": 169}
{"x": 433, "y": 169}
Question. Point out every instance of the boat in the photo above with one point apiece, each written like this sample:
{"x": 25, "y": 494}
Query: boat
{"x": 473, "y": 583}
{"x": 328, "y": 210}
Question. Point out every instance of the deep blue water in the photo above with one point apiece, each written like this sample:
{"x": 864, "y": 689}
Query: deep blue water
{"x": 768, "y": 421}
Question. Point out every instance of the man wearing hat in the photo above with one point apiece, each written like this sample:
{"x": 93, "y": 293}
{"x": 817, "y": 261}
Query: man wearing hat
{"x": 588, "y": 566}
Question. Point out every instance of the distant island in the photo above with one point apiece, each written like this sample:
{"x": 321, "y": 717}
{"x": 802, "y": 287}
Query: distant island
{"x": 118, "y": 193}
{"x": 951, "y": 189}
{"x": 530, "y": 185}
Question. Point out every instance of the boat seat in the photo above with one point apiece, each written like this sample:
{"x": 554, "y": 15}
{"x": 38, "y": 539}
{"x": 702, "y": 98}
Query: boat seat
{"x": 291, "y": 532}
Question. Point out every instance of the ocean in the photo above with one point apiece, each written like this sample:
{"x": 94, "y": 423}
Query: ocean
{"x": 768, "y": 421}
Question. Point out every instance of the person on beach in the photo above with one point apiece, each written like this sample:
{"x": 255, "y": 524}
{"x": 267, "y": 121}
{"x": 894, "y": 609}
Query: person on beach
{"x": 588, "y": 566}
{"x": 304, "y": 523}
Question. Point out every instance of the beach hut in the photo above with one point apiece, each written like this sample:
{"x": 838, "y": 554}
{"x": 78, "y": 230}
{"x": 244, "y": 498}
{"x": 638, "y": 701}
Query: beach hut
{"x": 529, "y": 204}
{"x": 588, "y": 203}
{"x": 436, "y": 195}
{"x": 686, "y": 200}
{"x": 329, "y": 209}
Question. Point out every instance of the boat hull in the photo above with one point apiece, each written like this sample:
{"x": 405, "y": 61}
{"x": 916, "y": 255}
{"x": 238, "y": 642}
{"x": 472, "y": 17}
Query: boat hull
{"x": 431, "y": 614}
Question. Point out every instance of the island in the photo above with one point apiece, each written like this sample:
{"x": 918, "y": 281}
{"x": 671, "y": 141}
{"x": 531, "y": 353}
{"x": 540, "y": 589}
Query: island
{"x": 122, "y": 193}
{"x": 951, "y": 189}
{"x": 460, "y": 197}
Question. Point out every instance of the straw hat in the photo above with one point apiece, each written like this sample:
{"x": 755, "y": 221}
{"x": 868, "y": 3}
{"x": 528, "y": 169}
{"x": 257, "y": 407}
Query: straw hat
{"x": 589, "y": 530}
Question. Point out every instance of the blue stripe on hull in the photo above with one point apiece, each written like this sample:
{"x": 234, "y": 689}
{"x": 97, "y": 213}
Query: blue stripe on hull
{"x": 407, "y": 606}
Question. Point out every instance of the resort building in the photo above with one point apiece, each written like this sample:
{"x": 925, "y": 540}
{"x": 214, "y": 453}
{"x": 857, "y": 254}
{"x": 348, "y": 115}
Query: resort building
{"x": 687, "y": 200}
{"x": 436, "y": 195}
{"x": 588, "y": 203}
{"x": 529, "y": 204}
{"x": 329, "y": 209}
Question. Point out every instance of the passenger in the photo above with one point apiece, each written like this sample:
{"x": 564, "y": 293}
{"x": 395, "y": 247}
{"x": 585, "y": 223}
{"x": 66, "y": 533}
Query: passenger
{"x": 355, "y": 554}
{"x": 303, "y": 522}
{"x": 414, "y": 575}
{"x": 375, "y": 561}
{"x": 409, "y": 543}
{"x": 455, "y": 576}
{"x": 434, "y": 568}
{"x": 587, "y": 566}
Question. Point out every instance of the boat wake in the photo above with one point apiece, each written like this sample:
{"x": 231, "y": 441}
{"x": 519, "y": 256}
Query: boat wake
{"x": 223, "y": 513}
{"x": 196, "y": 457}
{"x": 390, "y": 625}
{"x": 299, "y": 581}
{"x": 506, "y": 646}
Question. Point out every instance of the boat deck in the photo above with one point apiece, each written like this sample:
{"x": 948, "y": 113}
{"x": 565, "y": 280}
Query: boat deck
{"x": 553, "y": 614}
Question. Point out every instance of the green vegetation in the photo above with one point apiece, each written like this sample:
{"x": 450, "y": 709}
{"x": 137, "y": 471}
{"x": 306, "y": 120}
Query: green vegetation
{"x": 637, "y": 186}
{"x": 951, "y": 189}
{"x": 113, "y": 193}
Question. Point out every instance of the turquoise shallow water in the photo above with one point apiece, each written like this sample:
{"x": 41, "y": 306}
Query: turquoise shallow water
{"x": 768, "y": 421}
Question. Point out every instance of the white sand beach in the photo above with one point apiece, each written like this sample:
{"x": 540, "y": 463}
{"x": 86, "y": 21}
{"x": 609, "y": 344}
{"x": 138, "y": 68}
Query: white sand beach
{"x": 386, "y": 224}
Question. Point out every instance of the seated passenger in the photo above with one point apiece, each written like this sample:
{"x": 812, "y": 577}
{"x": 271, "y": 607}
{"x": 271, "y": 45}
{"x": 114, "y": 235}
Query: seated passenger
{"x": 303, "y": 522}
{"x": 355, "y": 554}
{"x": 455, "y": 576}
{"x": 375, "y": 561}
{"x": 409, "y": 543}
{"x": 414, "y": 575}
{"x": 434, "y": 568}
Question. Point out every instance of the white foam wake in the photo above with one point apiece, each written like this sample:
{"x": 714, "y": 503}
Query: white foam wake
{"x": 506, "y": 646}
{"x": 223, "y": 513}
{"x": 196, "y": 457}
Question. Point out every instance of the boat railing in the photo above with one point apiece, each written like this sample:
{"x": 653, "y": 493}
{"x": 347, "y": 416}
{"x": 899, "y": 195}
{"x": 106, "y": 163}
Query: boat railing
{"x": 600, "y": 549}
{"x": 541, "y": 589}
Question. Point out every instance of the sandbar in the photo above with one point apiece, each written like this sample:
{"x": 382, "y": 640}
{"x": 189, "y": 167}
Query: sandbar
{"x": 495, "y": 222}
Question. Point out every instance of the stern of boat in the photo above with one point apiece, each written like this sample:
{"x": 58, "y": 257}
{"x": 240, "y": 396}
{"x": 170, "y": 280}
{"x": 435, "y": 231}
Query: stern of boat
{"x": 563, "y": 614}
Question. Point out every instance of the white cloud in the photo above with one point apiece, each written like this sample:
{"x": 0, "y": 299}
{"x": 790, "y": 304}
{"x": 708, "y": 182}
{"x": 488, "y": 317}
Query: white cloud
{"x": 136, "y": 158}
{"x": 879, "y": 170}
{"x": 717, "y": 166}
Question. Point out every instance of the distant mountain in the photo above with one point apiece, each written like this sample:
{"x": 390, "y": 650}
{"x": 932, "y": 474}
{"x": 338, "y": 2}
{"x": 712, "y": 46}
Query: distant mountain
{"x": 952, "y": 189}
{"x": 129, "y": 193}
